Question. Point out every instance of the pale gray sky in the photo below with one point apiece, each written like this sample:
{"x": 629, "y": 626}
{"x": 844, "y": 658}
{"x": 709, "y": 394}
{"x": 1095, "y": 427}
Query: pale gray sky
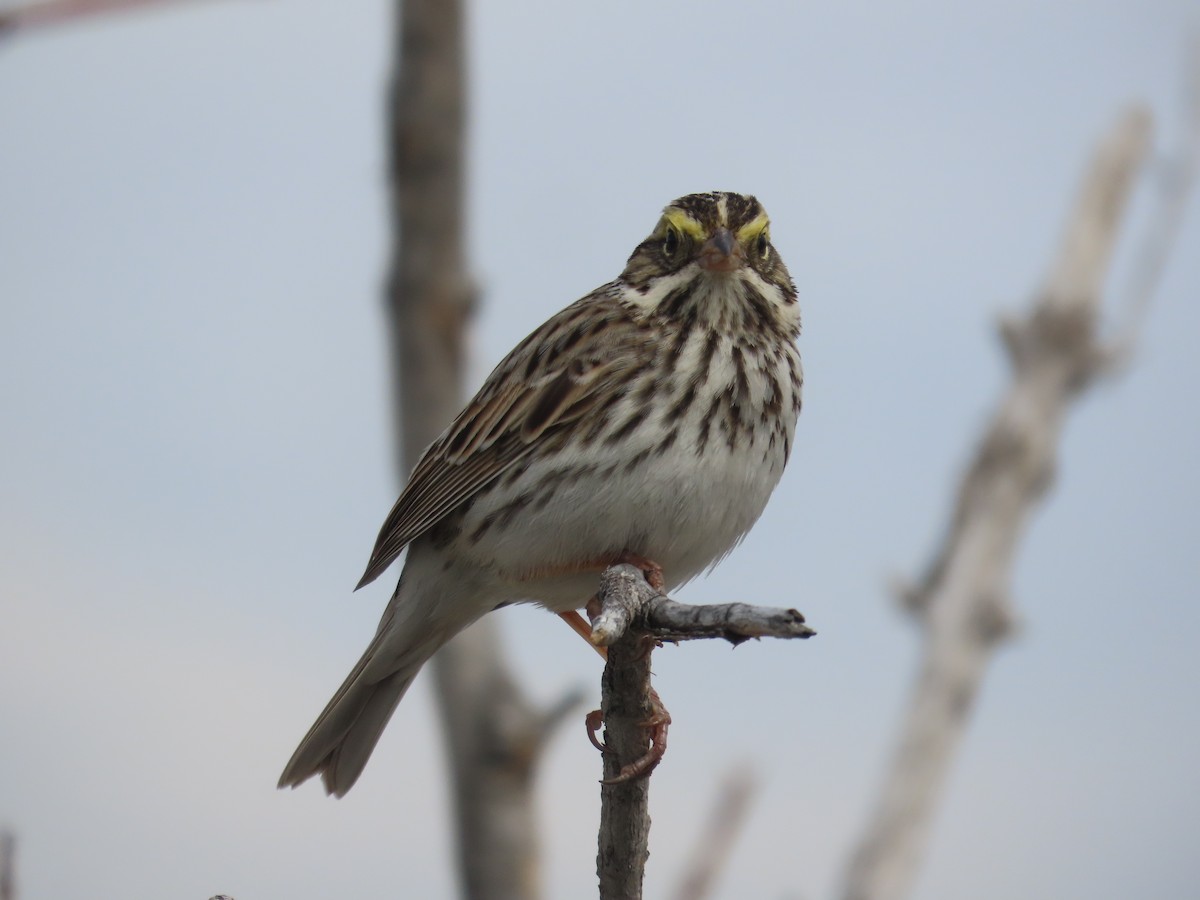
{"x": 196, "y": 458}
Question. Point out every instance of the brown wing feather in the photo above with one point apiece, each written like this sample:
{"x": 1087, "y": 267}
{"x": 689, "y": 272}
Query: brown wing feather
{"x": 550, "y": 379}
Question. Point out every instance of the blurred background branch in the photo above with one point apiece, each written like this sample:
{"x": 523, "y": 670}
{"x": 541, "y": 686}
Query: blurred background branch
{"x": 494, "y": 735}
{"x": 719, "y": 833}
{"x": 1172, "y": 177}
{"x": 57, "y": 12}
{"x": 8, "y": 865}
{"x": 962, "y": 603}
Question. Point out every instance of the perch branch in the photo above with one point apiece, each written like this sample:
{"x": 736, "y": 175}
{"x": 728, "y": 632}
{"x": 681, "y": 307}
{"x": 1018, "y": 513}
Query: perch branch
{"x": 629, "y": 618}
{"x": 962, "y": 602}
{"x": 626, "y": 599}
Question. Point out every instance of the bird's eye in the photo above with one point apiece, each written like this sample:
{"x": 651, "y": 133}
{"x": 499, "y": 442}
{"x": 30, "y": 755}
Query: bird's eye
{"x": 671, "y": 241}
{"x": 763, "y": 245}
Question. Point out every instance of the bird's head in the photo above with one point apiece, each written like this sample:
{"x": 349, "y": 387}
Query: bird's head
{"x": 712, "y": 248}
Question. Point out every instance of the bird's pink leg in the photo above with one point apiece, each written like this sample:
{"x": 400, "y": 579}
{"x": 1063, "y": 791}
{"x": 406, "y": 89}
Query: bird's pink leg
{"x": 582, "y": 628}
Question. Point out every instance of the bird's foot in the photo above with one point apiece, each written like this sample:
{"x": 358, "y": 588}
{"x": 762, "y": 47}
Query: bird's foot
{"x": 658, "y": 724}
{"x": 651, "y": 570}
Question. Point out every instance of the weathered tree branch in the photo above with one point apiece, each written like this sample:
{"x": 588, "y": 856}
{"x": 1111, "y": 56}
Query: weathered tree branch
{"x": 629, "y": 618}
{"x": 493, "y": 734}
{"x": 962, "y": 602}
{"x": 624, "y": 807}
{"x": 627, "y": 600}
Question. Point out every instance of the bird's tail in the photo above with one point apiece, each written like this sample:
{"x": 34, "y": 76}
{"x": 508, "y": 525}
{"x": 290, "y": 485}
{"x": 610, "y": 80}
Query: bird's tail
{"x": 340, "y": 742}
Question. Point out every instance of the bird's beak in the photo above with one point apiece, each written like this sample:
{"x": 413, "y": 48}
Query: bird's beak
{"x": 721, "y": 253}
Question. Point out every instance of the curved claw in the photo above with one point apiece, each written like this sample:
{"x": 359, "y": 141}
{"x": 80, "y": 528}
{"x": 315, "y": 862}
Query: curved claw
{"x": 658, "y": 723}
{"x": 593, "y": 721}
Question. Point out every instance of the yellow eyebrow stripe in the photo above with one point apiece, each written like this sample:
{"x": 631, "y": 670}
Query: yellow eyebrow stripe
{"x": 752, "y": 228}
{"x": 684, "y": 223}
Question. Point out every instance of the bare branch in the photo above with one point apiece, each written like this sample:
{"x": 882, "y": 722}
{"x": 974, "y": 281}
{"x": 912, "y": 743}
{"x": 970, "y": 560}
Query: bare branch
{"x": 962, "y": 602}
{"x": 1174, "y": 177}
{"x": 494, "y": 735}
{"x": 719, "y": 835}
{"x": 624, "y": 805}
{"x": 8, "y": 866}
{"x": 629, "y": 600}
{"x": 560, "y": 711}
{"x": 54, "y": 12}
{"x": 629, "y": 618}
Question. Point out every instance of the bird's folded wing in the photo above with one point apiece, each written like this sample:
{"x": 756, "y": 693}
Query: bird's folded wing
{"x": 561, "y": 372}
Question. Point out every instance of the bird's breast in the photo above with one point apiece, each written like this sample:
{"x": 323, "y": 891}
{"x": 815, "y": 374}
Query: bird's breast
{"x": 678, "y": 471}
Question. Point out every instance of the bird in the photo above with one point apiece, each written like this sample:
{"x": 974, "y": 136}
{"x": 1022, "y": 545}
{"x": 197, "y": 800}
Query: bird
{"x": 647, "y": 422}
